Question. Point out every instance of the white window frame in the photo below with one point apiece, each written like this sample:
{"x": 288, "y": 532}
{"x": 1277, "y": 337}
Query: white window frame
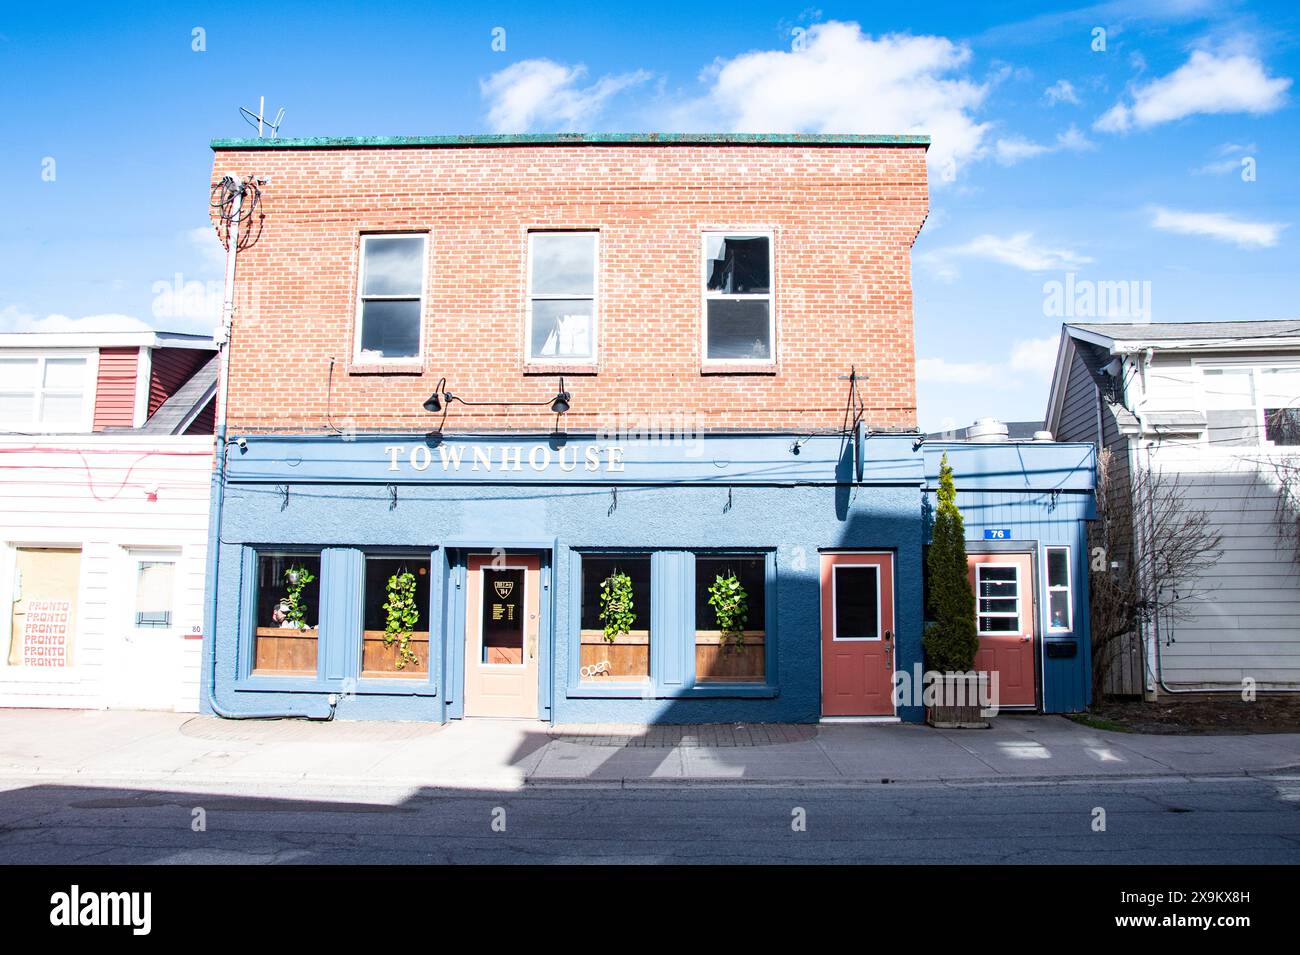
{"x": 357, "y": 357}
{"x": 1050, "y": 588}
{"x": 1018, "y": 613}
{"x": 835, "y": 611}
{"x": 143, "y": 555}
{"x": 706, "y": 296}
{"x": 88, "y": 389}
{"x": 529, "y": 357}
{"x": 1256, "y": 369}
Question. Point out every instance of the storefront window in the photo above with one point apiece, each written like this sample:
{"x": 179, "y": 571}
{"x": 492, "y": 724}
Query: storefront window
{"x": 730, "y": 619}
{"x": 395, "y": 637}
{"x": 616, "y": 623}
{"x": 288, "y": 613}
{"x": 43, "y": 622}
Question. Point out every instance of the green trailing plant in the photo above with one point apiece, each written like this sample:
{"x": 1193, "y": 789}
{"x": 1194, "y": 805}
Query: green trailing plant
{"x": 403, "y": 617}
{"x": 951, "y": 639}
{"x": 730, "y": 603}
{"x": 296, "y": 580}
{"x": 616, "y": 605}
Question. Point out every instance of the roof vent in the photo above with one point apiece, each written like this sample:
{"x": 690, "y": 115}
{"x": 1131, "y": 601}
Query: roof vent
{"x": 1043, "y": 436}
{"x": 987, "y": 431}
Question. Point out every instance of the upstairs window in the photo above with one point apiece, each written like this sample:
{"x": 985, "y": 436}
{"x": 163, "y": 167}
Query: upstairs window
{"x": 44, "y": 393}
{"x": 390, "y": 298}
{"x": 1247, "y": 406}
{"x": 738, "y": 324}
{"x": 1230, "y": 415}
{"x": 561, "y": 323}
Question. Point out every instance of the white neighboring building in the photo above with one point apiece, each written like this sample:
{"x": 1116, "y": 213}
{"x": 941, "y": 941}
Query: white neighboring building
{"x": 1219, "y": 405}
{"x": 105, "y": 472}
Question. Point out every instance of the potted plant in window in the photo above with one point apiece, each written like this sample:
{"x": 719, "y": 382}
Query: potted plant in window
{"x": 403, "y": 616}
{"x": 730, "y": 603}
{"x": 625, "y": 651}
{"x": 293, "y": 607}
{"x": 288, "y": 646}
{"x": 953, "y": 691}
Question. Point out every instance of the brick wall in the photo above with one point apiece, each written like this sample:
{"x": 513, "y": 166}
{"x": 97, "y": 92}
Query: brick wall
{"x": 843, "y": 217}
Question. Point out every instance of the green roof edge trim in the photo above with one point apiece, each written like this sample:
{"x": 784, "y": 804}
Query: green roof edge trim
{"x": 581, "y": 139}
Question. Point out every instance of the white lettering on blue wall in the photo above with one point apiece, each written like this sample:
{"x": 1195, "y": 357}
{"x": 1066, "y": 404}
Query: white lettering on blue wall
{"x": 506, "y": 458}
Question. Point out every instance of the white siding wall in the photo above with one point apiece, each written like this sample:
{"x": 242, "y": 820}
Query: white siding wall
{"x": 93, "y": 493}
{"x": 1246, "y": 622}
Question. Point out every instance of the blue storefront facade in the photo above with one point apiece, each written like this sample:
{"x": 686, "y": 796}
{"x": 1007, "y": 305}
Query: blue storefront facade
{"x": 545, "y": 519}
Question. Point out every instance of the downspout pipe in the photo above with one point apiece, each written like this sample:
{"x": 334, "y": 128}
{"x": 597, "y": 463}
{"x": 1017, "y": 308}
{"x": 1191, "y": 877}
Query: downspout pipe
{"x": 213, "y": 700}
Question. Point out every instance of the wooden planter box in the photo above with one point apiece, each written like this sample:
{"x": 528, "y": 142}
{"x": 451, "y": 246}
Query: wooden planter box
{"x": 284, "y": 651}
{"x": 716, "y": 663}
{"x": 626, "y": 658}
{"x": 378, "y": 660}
{"x": 957, "y": 701}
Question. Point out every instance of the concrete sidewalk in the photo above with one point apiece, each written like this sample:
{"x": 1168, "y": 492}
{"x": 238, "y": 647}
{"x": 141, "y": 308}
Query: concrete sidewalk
{"x": 118, "y": 746}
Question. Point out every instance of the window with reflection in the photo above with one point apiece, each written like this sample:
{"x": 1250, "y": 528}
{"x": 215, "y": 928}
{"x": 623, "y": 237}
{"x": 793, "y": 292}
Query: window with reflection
{"x": 616, "y": 624}
{"x": 730, "y": 618}
{"x": 287, "y": 615}
{"x": 395, "y": 632}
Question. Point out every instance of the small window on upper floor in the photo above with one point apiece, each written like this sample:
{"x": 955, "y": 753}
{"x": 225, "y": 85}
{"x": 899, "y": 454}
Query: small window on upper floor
{"x": 1248, "y": 406}
{"x": 561, "y": 322}
{"x": 44, "y": 393}
{"x": 390, "y": 298}
{"x": 737, "y": 280}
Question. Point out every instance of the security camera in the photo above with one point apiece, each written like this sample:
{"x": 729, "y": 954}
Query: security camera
{"x": 242, "y": 444}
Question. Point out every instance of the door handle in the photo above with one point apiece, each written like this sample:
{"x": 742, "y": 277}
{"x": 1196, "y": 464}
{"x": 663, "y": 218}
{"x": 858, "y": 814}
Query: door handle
{"x": 889, "y": 648}
{"x": 532, "y": 645}
{"x": 1025, "y": 639}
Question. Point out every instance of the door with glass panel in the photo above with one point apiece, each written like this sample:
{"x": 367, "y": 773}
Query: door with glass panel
{"x": 146, "y": 656}
{"x": 1004, "y": 616}
{"x": 502, "y": 622}
{"x": 857, "y": 593}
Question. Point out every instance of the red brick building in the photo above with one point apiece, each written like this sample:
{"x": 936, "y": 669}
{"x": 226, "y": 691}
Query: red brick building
{"x": 839, "y": 214}
{"x": 405, "y": 311}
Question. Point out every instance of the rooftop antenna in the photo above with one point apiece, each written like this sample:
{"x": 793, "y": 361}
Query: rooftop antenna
{"x": 259, "y": 119}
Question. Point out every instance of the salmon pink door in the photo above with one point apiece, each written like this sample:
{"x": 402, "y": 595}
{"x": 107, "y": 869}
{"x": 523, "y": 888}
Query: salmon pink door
{"x": 857, "y": 634}
{"x": 1004, "y": 615}
{"x": 501, "y": 628}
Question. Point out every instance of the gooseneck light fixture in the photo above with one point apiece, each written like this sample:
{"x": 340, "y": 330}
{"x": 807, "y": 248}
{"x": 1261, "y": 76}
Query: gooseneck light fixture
{"x": 441, "y": 400}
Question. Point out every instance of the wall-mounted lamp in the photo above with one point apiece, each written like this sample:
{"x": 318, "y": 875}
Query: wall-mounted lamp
{"x": 560, "y": 404}
{"x": 441, "y": 400}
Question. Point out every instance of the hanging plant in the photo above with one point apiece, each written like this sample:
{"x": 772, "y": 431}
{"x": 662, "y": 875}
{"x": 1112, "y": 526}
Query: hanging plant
{"x": 403, "y": 617}
{"x": 730, "y": 603}
{"x": 616, "y": 605}
{"x": 294, "y": 606}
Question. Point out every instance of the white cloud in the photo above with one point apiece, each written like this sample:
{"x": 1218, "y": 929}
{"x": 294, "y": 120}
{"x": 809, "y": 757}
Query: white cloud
{"x": 1206, "y": 83}
{"x": 1229, "y": 159}
{"x": 1030, "y": 357}
{"x": 942, "y": 371}
{"x": 1062, "y": 91}
{"x": 1217, "y": 225}
{"x": 213, "y": 254}
{"x": 845, "y": 81}
{"x": 14, "y": 319}
{"x": 1035, "y": 356}
{"x": 541, "y": 93}
{"x": 1016, "y": 149}
{"x": 1019, "y": 251}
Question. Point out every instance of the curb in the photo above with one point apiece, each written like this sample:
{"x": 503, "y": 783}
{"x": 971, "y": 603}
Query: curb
{"x": 313, "y": 783}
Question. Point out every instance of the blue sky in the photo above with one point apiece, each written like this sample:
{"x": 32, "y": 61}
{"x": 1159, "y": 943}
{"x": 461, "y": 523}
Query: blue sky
{"x": 1167, "y": 159}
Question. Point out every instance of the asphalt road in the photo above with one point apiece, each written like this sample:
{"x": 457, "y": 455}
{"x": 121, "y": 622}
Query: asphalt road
{"x": 1237, "y": 820}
